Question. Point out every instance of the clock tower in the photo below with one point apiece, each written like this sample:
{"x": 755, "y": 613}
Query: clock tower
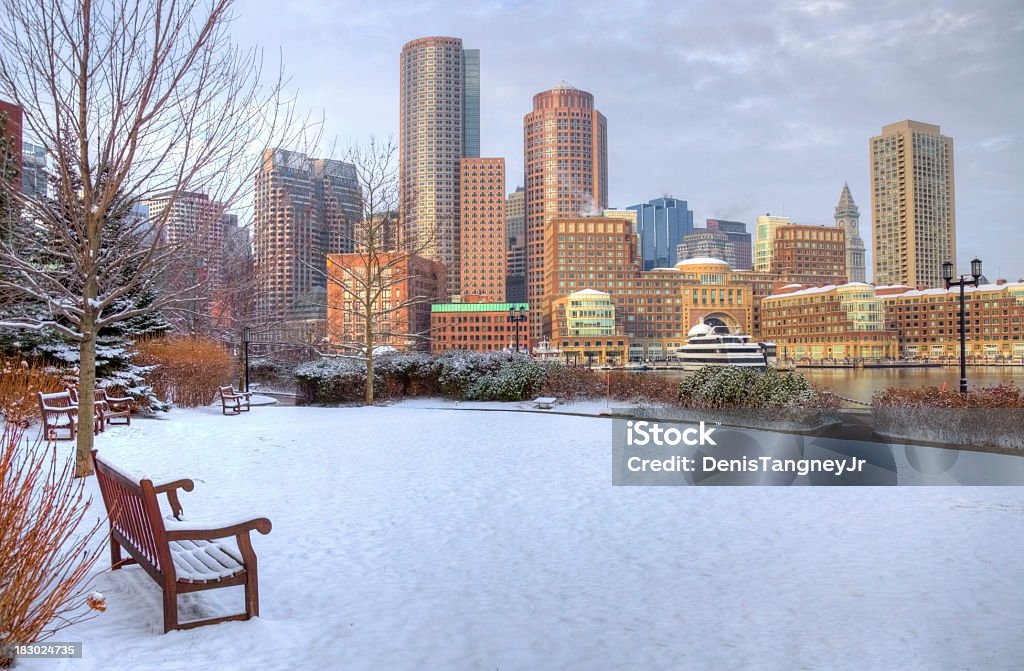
{"x": 848, "y": 219}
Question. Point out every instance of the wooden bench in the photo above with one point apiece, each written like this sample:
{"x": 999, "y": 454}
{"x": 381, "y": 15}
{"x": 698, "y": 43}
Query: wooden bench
{"x": 234, "y": 402}
{"x": 115, "y": 407}
{"x": 180, "y": 557}
{"x": 544, "y": 402}
{"x": 58, "y": 413}
{"x": 99, "y": 408}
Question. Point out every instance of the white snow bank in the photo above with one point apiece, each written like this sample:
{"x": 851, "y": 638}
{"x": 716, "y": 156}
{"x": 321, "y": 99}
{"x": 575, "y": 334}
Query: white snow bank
{"x": 411, "y": 538}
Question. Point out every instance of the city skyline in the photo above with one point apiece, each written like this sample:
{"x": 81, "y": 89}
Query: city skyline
{"x": 771, "y": 111}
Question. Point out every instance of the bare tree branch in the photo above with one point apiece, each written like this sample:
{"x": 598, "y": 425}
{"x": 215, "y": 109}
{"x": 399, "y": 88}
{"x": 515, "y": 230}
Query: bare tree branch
{"x": 131, "y": 100}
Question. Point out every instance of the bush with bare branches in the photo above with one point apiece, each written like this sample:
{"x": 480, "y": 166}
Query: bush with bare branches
{"x": 46, "y": 546}
{"x": 187, "y": 370}
{"x": 20, "y": 381}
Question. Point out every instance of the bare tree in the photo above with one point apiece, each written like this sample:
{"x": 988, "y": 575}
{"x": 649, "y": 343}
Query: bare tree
{"x": 132, "y": 100}
{"x": 379, "y": 294}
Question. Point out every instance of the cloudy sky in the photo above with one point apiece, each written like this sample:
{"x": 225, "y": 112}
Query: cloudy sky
{"x": 741, "y": 108}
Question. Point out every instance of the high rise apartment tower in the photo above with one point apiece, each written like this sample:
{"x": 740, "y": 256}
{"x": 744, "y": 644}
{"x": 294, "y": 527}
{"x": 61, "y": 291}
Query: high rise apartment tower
{"x": 305, "y": 209}
{"x": 566, "y": 163}
{"x": 913, "y": 208}
{"x": 439, "y": 125}
{"x": 483, "y": 229}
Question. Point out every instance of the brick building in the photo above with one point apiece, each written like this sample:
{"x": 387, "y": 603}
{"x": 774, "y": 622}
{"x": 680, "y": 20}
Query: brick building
{"x": 928, "y": 321}
{"x": 401, "y": 290}
{"x": 483, "y": 238}
{"x": 480, "y": 327}
{"x": 831, "y": 322}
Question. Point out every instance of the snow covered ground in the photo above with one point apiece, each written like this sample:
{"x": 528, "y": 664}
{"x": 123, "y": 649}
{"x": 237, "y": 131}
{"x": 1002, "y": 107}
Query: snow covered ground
{"x": 412, "y": 537}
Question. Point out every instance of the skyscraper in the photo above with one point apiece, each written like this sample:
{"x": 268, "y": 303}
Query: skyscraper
{"x": 305, "y": 209}
{"x": 736, "y": 231}
{"x": 662, "y": 223}
{"x": 193, "y": 221}
{"x": 515, "y": 218}
{"x": 483, "y": 229}
{"x": 912, "y": 204}
{"x": 764, "y": 244}
{"x": 708, "y": 244}
{"x": 566, "y": 164}
{"x": 848, "y": 218}
{"x": 439, "y": 119}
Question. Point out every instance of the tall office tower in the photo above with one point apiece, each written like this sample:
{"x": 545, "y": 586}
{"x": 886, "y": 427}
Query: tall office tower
{"x": 305, "y": 209}
{"x": 12, "y": 130}
{"x": 439, "y": 124}
{"x": 736, "y": 232}
{"x": 515, "y": 218}
{"x": 662, "y": 223}
{"x": 707, "y": 244}
{"x": 765, "y": 243}
{"x": 471, "y": 103}
{"x": 848, "y": 218}
{"x": 482, "y": 257}
{"x": 192, "y": 221}
{"x": 33, "y": 170}
{"x": 912, "y": 204}
{"x": 566, "y": 162}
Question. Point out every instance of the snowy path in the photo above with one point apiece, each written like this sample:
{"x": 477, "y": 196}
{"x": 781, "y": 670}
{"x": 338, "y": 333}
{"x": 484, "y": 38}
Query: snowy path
{"x": 409, "y": 538}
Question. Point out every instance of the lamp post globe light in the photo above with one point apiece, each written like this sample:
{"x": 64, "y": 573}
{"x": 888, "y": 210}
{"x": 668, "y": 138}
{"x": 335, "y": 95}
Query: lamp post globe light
{"x": 962, "y": 281}
{"x": 516, "y": 317}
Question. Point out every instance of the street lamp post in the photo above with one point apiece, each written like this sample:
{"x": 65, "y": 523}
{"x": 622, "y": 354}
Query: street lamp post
{"x": 962, "y": 281}
{"x": 516, "y": 319}
{"x": 246, "y": 337}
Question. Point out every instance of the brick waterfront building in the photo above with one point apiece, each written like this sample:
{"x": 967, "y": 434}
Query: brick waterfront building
{"x": 480, "y": 327}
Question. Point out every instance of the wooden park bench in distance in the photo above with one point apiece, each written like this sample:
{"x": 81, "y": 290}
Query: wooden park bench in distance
{"x": 99, "y": 409}
{"x": 181, "y": 557}
{"x": 544, "y": 402}
{"x": 115, "y": 407}
{"x": 234, "y": 402}
{"x": 58, "y": 413}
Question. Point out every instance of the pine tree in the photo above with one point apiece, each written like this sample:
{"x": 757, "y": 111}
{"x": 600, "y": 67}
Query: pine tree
{"x": 114, "y": 367}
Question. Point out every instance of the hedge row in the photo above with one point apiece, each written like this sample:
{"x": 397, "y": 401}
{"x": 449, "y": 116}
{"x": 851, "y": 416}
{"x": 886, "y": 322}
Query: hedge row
{"x": 505, "y": 376}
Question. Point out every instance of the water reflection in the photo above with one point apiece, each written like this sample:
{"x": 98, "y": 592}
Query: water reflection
{"x": 861, "y": 383}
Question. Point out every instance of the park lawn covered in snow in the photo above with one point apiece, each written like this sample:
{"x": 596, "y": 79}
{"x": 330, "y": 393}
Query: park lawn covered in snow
{"x": 411, "y": 537}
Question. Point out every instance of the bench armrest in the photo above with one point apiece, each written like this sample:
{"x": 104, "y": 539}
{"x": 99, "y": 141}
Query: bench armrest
{"x": 194, "y": 531}
{"x": 171, "y": 490}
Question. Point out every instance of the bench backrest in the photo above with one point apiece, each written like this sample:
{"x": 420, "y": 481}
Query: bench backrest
{"x": 135, "y": 517}
{"x": 59, "y": 399}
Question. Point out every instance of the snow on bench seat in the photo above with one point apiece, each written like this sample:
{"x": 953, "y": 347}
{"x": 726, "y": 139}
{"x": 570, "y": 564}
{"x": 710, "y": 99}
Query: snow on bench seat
{"x": 544, "y": 402}
{"x": 203, "y": 561}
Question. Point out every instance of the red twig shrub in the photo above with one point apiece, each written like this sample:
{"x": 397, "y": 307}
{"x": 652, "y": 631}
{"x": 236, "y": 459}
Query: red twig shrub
{"x": 45, "y": 549}
{"x": 20, "y": 381}
{"x": 187, "y": 370}
{"x": 997, "y": 396}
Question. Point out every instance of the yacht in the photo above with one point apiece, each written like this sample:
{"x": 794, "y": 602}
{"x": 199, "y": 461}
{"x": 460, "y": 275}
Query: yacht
{"x": 715, "y": 345}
